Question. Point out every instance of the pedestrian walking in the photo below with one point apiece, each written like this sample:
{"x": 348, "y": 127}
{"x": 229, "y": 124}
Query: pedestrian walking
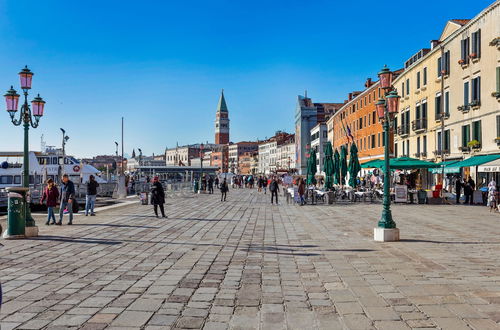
{"x": 274, "y": 189}
{"x": 470, "y": 185}
{"x": 51, "y": 195}
{"x": 210, "y": 185}
{"x": 91, "y": 196}
{"x": 223, "y": 189}
{"x": 216, "y": 182}
{"x": 492, "y": 195}
{"x": 259, "y": 184}
{"x": 264, "y": 184}
{"x": 302, "y": 191}
{"x": 67, "y": 199}
{"x": 458, "y": 188}
{"x": 158, "y": 197}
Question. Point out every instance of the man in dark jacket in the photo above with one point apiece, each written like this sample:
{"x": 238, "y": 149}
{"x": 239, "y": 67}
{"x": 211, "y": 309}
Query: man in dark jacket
{"x": 91, "y": 196}
{"x": 470, "y": 185}
{"x": 210, "y": 185}
{"x": 274, "y": 189}
{"x": 458, "y": 188}
{"x": 67, "y": 199}
{"x": 158, "y": 197}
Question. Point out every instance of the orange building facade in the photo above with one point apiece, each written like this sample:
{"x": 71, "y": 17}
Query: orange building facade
{"x": 358, "y": 115}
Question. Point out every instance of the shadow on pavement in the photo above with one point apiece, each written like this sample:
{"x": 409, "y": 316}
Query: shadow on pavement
{"x": 113, "y": 225}
{"x": 411, "y": 240}
{"x": 74, "y": 240}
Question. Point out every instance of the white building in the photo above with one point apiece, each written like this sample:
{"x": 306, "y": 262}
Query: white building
{"x": 319, "y": 136}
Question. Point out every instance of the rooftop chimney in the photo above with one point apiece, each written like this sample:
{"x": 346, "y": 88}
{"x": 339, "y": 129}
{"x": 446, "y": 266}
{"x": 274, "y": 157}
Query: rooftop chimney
{"x": 368, "y": 82}
{"x": 434, "y": 43}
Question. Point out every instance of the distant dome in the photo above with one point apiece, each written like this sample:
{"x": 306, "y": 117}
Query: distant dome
{"x": 5, "y": 165}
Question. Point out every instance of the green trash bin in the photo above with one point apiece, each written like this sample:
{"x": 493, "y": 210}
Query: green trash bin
{"x": 16, "y": 218}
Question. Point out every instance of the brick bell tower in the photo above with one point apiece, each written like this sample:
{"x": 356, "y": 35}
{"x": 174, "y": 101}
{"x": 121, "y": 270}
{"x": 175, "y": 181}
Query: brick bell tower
{"x": 222, "y": 122}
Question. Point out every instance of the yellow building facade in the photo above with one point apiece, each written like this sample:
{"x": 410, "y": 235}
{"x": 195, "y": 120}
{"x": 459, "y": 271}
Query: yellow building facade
{"x": 450, "y": 93}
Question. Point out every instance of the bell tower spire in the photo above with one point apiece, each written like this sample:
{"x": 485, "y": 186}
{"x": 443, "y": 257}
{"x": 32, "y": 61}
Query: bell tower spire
{"x": 222, "y": 121}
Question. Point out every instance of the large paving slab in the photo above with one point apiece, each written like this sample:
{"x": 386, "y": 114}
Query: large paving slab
{"x": 247, "y": 264}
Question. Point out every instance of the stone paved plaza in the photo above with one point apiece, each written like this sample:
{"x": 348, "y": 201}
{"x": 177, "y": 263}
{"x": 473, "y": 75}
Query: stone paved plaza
{"x": 245, "y": 264}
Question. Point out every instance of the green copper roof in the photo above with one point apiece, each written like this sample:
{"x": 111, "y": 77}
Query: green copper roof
{"x": 222, "y": 107}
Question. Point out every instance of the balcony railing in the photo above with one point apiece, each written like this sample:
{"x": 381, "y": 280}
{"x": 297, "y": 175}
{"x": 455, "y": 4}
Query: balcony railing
{"x": 419, "y": 125}
{"x": 422, "y": 154}
{"x": 403, "y": 130}
{"x": 438, "y": 152}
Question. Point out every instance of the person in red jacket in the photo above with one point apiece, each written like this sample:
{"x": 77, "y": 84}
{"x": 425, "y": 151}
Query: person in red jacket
{"x": 51, "y": 195}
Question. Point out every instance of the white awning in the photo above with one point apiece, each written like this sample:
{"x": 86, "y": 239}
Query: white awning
{"x": 493, "y": 166}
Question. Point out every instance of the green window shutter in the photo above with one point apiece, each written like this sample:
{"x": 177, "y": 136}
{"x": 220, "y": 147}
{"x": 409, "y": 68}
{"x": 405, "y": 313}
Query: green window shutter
{"x": 498, "y": 79}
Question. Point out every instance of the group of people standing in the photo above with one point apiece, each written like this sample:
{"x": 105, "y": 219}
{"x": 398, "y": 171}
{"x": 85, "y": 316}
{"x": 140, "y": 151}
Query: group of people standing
{"x": 468, "y": 186}
{"x": 65, "y": 198}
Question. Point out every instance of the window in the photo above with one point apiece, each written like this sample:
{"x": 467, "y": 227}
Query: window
{"x": 417, "y": 111}
{"x": 374, "y": 118}
{"x": 498, "y": 81}
{"x": 360, "y": 123}
{"x": 476, "y": 89}
{"x": 418, "y": 80}
{"x": 408, "y": 86}
{"x": 498, "y": 126}
{"x": 476, "y": 131}
{"x": 424, "y": 144}
{"x": 464, "y": 50}
{"x": 395, "y": 150}
{"x": 373, "y": 141}
{"x": 466, "y": 93}
{"x": 465, "y": 135}
{"x": 447, "y": 140}
{"x": 446, "y": 63}
{"x": 447, "y": 103}
{"x": 437, "y": 106}
{"x": 418, "y": 145}
{"x": 424, "y": 110}
{"x": 443, "y": 64}
{"x": 403, "y": 89}
{"x": 407, "y": 147}
{"x": 476, "y": 44}
{"x": 425, "y": 76}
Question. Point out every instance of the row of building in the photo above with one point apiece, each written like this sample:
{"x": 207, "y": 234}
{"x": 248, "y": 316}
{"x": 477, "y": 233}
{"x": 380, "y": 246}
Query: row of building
{"x": 449, "y": 106}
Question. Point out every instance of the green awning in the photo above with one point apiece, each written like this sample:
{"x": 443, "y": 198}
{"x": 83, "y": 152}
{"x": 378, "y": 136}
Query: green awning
{"x": 407, "y": 163}
{"x": 374, "y": 163}
{"x": 447, "y": 168}
{"x": 473, "y": 161}
{"x": 402, "y": 163}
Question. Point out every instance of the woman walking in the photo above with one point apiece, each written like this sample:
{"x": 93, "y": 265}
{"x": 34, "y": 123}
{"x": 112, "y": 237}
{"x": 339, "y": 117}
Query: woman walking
{"x": 51, "y": 195}
{"x": 302, "y": 191}
{"x": 158, "y": 197}
{"x": 223, "y": 189}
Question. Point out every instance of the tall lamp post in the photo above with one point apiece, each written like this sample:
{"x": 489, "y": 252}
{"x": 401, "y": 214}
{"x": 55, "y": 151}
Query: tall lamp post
{"x": 387, "y": 108}
{"x": 28, "y": 116}
{"x": 65, "y": 139}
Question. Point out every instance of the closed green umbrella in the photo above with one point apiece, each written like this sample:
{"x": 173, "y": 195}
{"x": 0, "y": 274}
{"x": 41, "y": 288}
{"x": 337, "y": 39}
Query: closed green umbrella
{"x": 354, "y": 166}
{"x": 343, "y": 164}
{"x": 336, "y": 167}
{"x": 311, "y": 168}
{"x": 328, "y": 166}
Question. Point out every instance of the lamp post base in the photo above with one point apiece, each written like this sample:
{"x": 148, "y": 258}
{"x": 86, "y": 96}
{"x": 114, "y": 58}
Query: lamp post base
{"x": 31, "y": 231}
{"x": 385, "y": 234}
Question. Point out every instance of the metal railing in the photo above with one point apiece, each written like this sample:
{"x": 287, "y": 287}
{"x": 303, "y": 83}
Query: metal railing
{"x": 419, "y": 125}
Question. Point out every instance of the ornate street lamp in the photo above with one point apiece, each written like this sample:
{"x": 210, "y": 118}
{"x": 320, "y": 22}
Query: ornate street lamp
{"x": 28, "y": 116}
{"x": 387, "y": 108}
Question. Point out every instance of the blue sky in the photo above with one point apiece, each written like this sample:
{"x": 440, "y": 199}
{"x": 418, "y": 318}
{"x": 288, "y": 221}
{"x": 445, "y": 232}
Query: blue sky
{"x": 162, "y": 64}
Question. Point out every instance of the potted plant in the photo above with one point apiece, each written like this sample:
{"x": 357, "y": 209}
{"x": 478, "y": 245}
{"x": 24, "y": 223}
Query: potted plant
{"x": 473, "y": 55}
{"x": 461, "y": 61}
{"x": 474, "y": 144}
